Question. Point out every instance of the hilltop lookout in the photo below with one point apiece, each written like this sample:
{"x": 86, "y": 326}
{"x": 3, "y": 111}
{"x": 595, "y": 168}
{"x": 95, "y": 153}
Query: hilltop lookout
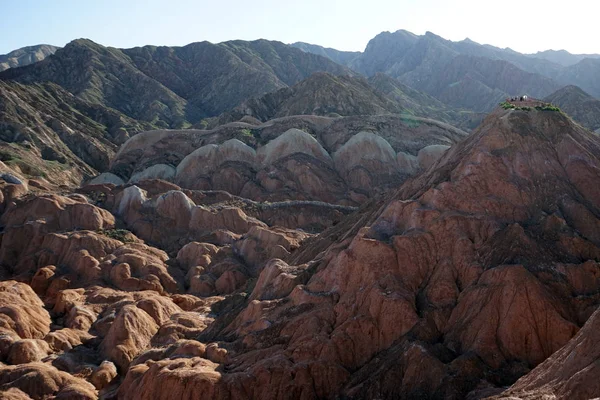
{"x": 526, "y": 103}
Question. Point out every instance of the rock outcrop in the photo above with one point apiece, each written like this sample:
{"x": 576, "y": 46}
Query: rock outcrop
{"x": 570, "y": 373}
{"x": 367, "y": 161}
{"x": 227, "y": 166}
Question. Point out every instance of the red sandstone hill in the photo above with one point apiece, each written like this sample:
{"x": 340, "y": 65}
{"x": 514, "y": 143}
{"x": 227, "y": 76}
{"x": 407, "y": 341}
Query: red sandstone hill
{"x": 482, "y": 270}
{"x": 468, "y": 277}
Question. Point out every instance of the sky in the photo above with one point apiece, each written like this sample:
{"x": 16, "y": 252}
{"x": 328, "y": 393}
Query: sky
{"x": 525, "y": 26}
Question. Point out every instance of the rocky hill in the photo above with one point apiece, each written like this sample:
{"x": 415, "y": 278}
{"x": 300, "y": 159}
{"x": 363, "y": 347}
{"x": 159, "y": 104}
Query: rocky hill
{"x": 441, "y": 288}
{"x": 320, "y": 94}
{"x": 582, "y": 107}
{"x": 328, "y": 95}
{"x": 174, "y": 86}
{"x": 479, "y": 273}
{"x": 47, "y": 132}
{"x": 25, "y": 56}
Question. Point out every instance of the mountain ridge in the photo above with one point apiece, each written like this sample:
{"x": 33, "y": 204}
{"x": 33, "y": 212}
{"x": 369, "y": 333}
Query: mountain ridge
{"x": 413, "y": 59}
{"x": 174, "y": 86}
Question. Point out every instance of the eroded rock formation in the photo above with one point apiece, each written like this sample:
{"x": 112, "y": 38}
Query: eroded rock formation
{"x": 335, "y": 160}
{"x": 480, "y": 273}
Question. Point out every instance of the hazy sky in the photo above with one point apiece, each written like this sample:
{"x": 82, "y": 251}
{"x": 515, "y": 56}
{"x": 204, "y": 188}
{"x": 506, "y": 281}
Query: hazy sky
{"x": 526, "y": 26}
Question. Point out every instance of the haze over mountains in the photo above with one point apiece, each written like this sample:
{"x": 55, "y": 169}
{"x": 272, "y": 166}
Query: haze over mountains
{"x": 184, "y": 84}
{"x": 467, "y": 74}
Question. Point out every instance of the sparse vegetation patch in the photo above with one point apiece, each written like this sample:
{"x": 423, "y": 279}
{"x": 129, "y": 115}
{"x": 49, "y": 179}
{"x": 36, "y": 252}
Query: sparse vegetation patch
{"x": 123, "y": 235}
{"x": 548, "y": 107}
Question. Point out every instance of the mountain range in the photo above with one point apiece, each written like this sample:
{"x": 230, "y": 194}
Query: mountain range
{"x": 173, "y": 87}
{"x": 468, "y": 74}
{"x": 178, "y": 86}
{"x": 204, "y": 85}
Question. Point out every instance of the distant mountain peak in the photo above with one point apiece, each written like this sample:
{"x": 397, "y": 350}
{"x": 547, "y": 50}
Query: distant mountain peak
{"x": 26, "y": 55}
{"x": 577, "y": 103}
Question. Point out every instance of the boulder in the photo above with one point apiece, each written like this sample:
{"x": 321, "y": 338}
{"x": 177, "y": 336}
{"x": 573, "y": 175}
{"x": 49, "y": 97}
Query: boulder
{"x": 195, "y": 253}
{"x": 22, "y": 312}
{"x": 129, "y": 334}
{"x": 28, "y": 350}
{"x": 103, "y": 375}
{"x": 42, "y": 381}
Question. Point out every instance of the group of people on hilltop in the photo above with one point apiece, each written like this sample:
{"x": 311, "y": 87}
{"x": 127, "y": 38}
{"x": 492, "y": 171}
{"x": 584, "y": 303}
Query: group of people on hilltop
{"x": 516, "y": 98}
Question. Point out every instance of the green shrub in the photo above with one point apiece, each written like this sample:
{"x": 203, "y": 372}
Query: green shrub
{"x": 247, "y": 133}
{"x": 6, "y": 156}
{"x": 118, "y": 234}
{"x": 507, "y": 106}
{"x": 548, "y": 107}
